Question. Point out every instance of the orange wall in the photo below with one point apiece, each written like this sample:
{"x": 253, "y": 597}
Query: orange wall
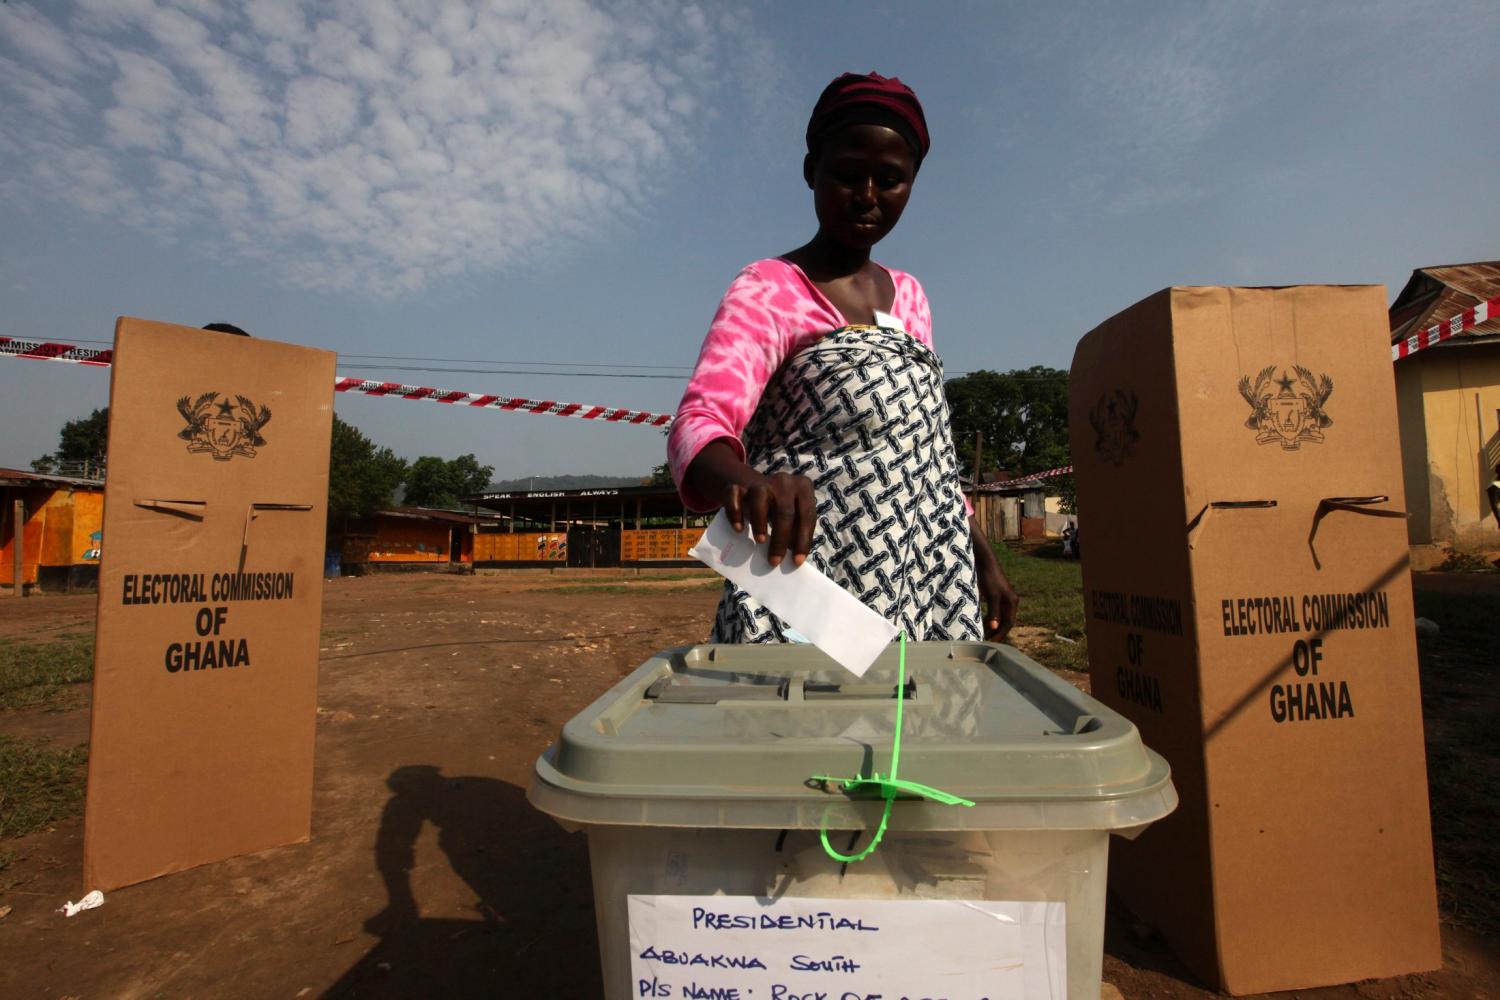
{"x": 31, "y": 545}
{"x": 58, "y": 528}
{"x": 88, "y": 527}
{"x": 400, "y": 541}
{"x": 646, "y": 544}
{"x": 635, "y": 545}
{"x": 526, "y": 546}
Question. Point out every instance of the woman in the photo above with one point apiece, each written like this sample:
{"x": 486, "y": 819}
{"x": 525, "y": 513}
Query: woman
{"x": 816, "y": 411}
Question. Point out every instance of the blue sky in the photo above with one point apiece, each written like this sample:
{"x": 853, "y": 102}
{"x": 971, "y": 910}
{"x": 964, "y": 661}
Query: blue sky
{"x": 575, "y": 183}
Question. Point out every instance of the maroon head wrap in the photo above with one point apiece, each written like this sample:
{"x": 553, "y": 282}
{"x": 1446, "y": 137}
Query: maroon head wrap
{"x": 869, "y": 99}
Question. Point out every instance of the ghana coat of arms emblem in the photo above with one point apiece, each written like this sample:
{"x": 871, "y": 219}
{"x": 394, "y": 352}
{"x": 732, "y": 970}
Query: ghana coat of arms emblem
{"x": 1113, "y": 418}
{"x": 223, "y": 428}
{"x": 1289, "y": 410}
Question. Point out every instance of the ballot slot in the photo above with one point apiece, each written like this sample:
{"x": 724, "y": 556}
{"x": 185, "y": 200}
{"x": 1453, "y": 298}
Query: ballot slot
{"x": 675, "y": 691}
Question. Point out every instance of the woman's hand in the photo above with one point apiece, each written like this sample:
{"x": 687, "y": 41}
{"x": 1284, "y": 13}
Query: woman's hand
{"x": 780, "y": 508}
{"x": 999, "y": 597}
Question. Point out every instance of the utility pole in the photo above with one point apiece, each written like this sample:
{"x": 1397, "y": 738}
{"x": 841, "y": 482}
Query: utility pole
{"x": 18, "y": 542}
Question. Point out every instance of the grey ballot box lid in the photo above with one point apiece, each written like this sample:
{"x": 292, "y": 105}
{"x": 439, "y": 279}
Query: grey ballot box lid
{"x": 732, "y": 736}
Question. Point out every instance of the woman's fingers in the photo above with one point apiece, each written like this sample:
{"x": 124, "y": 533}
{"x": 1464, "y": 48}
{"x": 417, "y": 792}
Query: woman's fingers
{"x": 732, "y": 507}
{"x": 757, "y": 502}
{"x": 793, "y": 517}
{"x": 807, "y": 519}
{"x": 1000, "y": 602}
{"x": 1008, "y": 602}
{"x": 783, "y": 517}
{"x": 781, "y": 510}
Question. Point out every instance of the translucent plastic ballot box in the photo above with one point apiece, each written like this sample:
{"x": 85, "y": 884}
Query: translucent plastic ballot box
{"x": 711, "y": 784}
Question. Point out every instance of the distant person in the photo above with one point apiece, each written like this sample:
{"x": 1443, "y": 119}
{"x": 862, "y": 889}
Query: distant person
{"x": 1069, "y": 540}
{"x": 816, "y": 412}
{"x": 1493, "y": 492}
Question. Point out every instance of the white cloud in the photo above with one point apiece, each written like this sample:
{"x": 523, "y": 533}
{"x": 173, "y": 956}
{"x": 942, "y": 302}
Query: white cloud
{"x": 319, "y": 112}
{"x": 41, "y": 42}
{"x": 371, "y": 145}
{"x": 1162, "y": 85}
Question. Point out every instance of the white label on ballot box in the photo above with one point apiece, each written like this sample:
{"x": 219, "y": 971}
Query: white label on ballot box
{"x": 743, "y": 948}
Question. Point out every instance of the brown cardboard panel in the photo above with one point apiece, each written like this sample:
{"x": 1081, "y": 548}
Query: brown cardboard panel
{"x": 1121, "y": 421}
{"x": 210, "y": 587}
{"x": 1288, "y": 702}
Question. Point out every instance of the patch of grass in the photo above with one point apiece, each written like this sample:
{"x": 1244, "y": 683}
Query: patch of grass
{"x": 38, "y": 785}
{"x": 624, "y": 588}
{"x": 1066, "y": 656}
{"x": 34, "y": 674}
{"x": 1051, "y": 590}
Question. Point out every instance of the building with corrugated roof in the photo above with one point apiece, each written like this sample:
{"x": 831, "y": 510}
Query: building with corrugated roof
{"x": 402, "y": 538}
{"x": 632, "y": 526}
{"x": 1448, "y": 400}
{"x": 61, "y": 530}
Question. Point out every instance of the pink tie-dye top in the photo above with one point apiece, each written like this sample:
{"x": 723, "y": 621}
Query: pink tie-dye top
{"x": 770, "y": 312}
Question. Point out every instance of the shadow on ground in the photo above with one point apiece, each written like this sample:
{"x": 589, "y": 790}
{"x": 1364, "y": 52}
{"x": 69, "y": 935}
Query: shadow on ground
{"x": 533, "y": 931}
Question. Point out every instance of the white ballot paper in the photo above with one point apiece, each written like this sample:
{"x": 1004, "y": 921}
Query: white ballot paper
{"x": 829, "y": 616}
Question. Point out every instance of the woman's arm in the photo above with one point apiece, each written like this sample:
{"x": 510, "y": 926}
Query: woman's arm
{"x": 746, "y": 343}
{"x": 1000, "y": 598}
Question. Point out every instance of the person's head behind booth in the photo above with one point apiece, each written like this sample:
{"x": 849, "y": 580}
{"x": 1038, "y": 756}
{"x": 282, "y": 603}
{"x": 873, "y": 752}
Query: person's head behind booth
{"x": 225, "y": 328}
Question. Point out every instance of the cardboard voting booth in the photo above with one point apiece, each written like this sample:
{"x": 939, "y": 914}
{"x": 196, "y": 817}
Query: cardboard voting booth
{"x": 210, "y": 591}
{"x": 1249, "y": 608}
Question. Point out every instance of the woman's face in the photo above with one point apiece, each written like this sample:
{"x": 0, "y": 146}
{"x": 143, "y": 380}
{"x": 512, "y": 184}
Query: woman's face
{"x": 861, "y": 181}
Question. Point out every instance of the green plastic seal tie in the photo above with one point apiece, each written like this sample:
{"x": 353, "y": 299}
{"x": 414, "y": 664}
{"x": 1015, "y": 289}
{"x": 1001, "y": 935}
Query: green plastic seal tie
{"x": 889, "y": 787}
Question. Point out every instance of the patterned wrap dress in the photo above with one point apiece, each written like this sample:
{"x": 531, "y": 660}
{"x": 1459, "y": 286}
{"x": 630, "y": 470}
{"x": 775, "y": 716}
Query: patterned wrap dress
{"x": 861, "y": 412}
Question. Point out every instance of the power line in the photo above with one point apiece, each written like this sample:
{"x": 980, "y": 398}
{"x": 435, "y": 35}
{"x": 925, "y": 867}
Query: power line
{"x": 489, "y": 361}
{"x": 571, "y": 369}
{"x": 637, "y": 375}
{"x": 510, "y": 371}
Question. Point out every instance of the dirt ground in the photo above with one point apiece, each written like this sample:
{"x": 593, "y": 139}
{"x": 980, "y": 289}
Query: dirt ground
{"x": 436, "y": 696}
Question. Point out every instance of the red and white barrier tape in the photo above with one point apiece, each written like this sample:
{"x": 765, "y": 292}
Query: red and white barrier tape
{"x": 1443, "y": 331}
{"x": 1032, "y": 477}
{"x": 583, "y": 411}
{"x": 40, "y": 351}
{"x": 72, "y": 354}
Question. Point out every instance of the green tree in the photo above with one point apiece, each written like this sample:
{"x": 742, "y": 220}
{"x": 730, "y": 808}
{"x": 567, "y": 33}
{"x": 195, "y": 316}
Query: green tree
{"x": 1023, "y": 415}
{"x": 660, "y": 476}
{"x": 362, "y": 478}
{"x": 435, "y": 482}
{"x": 81, "y": 446}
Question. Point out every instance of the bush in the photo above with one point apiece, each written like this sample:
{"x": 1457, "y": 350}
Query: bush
{"x": 1459, "y": 561}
